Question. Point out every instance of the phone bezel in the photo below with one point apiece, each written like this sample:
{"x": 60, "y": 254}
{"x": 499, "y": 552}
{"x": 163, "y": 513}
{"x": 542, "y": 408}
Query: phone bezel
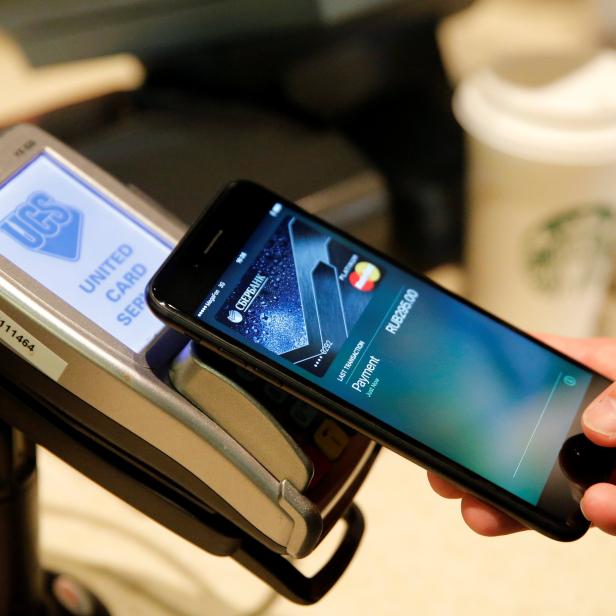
{"x": 180, "y": 285}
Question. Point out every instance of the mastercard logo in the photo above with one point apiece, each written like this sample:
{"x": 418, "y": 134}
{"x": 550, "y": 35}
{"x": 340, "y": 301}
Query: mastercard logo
{"x": 364, "y": 276}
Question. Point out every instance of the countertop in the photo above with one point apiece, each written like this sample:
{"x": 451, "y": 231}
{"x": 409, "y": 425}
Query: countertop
{"x": 417, "y": 556}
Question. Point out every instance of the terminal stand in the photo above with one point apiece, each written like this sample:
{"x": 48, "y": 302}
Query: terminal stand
{"x": 80, "y": 390}
{"x": 25, "y": 588}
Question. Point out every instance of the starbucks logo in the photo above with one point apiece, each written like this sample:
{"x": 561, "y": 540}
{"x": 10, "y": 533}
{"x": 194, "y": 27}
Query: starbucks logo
{"x": 571, "y": 250}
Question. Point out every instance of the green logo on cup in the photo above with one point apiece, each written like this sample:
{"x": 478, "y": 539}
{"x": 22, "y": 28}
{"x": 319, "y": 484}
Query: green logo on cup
{"x": 572, "y": 250}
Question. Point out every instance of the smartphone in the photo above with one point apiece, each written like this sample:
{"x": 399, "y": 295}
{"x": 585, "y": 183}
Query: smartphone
{"x": 389, "y": 352}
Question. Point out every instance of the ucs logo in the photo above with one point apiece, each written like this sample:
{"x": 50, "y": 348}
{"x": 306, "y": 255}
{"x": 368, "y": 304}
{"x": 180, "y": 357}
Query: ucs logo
{"x": 44, "y": 225}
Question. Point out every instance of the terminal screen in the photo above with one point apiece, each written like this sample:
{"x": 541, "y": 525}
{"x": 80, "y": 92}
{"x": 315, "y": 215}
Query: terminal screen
{"x": 83, "y": 247}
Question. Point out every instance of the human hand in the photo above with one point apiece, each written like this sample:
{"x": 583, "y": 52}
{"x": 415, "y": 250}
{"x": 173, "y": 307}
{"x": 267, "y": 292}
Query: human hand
{"x": 599, "y": 424}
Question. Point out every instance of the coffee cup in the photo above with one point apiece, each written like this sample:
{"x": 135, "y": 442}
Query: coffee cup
{"x": 541, "y": 188}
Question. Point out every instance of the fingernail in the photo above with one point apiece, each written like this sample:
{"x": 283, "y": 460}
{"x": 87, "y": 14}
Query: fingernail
{"x": 600, "y": 416}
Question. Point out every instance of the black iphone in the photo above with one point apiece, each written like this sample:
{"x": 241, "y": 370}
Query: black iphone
{"x": 389, "y": 352}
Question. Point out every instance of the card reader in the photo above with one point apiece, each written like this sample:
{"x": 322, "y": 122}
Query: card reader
{"x": 77, "y": 248}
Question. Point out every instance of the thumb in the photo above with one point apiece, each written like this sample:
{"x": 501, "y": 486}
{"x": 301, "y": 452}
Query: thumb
{"x": 599, "y": 419}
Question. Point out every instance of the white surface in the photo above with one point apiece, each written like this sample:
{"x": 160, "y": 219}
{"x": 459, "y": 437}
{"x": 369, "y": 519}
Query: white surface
{"x": 417, "y": 557}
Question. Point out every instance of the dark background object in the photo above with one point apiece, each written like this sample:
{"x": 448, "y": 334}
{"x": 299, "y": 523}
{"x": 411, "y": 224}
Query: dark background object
{"x": 378, "y": 82}
{"x": 25, "y": 589}
{"x": 181, "y": 150}
{"x": 296, "y": 99}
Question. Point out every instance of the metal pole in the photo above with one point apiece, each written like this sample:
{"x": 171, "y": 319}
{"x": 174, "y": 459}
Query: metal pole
{"x": 21, "y": 576}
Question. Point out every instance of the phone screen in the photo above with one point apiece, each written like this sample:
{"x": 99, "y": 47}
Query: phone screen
{"x": 390, "y": 352}
{"x": 408, "y": 354}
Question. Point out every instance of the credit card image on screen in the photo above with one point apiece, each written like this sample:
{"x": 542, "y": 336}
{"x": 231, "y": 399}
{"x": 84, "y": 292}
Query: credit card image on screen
{"x": 418, "y": 369}
{"x": 301, "y": 296}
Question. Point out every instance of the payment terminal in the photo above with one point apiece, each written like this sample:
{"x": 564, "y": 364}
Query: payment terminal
{"x": 220, "y": 457}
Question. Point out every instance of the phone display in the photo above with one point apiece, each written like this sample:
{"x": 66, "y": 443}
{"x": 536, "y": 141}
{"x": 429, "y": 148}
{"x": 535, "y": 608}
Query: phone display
{"x": 436, "y": 378}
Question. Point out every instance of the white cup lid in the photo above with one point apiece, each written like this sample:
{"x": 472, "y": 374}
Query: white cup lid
{"x": 559, "y": 109}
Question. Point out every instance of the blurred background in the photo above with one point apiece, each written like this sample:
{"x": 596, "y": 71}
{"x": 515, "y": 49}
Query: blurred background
{"x": 474, "y": 140}
{"x": 301, "y": 95}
